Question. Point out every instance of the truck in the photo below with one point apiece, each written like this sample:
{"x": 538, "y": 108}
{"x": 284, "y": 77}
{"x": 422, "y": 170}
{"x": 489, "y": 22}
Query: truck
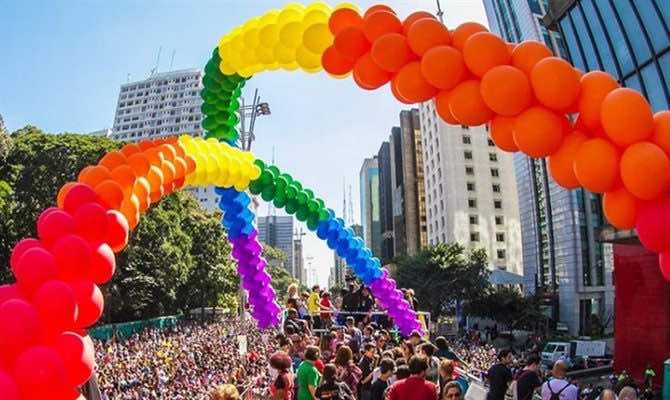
{"x": 575, "y": 352}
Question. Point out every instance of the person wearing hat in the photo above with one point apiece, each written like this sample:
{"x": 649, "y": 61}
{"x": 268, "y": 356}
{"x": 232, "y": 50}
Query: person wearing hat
{"x": 313, "y": 306}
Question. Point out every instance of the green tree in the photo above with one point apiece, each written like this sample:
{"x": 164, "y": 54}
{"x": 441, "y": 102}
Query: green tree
{"x": 507, "y": 306}
{"x": 443, "y": 274}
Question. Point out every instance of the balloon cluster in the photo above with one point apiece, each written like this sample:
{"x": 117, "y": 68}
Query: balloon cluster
{"x": 289, "y": 38}
{"x": 221, "y": 103}
{"x": 238, "y": 220}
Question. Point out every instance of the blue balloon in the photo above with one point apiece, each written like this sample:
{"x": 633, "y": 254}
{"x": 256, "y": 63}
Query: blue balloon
{"x": 322, "y": 230}
{"x": 332, "y": 243}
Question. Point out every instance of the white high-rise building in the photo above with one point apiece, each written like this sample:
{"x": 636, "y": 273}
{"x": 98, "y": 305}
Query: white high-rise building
{"x": 165, "y": 104}
{"x": 471, "y": 195}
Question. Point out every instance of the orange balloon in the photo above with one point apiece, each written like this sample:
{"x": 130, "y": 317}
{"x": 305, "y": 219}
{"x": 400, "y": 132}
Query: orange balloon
{"x": 467, "y": 105}
{"x": 645, "y": 170}
{"x": 113, "y": 159}
{"x": 130, "y": 149}
{"x": 155, "y": 178}
{"x": 352, "y": 43}
{"x": 379, "y": 23}
{"x": 483, "y": 51}
{"x": 180, "y": 172}
{"x": 378, "y": 7}
{"x": 595, "y": 86}
{"x": 391, "y": 52}
{"x": 141, "y": 190}
{"x": 178, "y": 148}
{"x": 626, "y": 117}
{"x": 190, "y": 164}
{"x": 412, "y": 18}
{"x": 169, "y": 172}
{"x": 368, "y": 75}
{"x": 139, "y": 163}
{"x": 110, "y": 194}
{"x": 506, "y": 90}
{"x": 155, "y": 156}
{"x": 335, "y": 63}
{"x": 426, "y": 34}
{"x": 620, "y": 208}
{"x": 443, "y": 110}
{"x": 443, "y": 67}
{"x": 538, "y": 132}
{"x": 125, "y": 177}
{"x": 662, "y": 130}
{"x": 412, "y": 85}
{"x": 146, "y": 144}
{"x": 168, "y": 151}
{"x": 94, "y": 174}
{"x": 561, "y": 162}
{"x": 502, "y": 133}
{"x": 463, "y": 32}
{"x": 62, "y": 192}
{"x": 343, "y": 18}
{"x": 397, "y": 95}
{"x": 555, "y": 83}
{"x": 596, "y": 165}
{"x": 528, "y": 53}
{"x": 130, "y": 208}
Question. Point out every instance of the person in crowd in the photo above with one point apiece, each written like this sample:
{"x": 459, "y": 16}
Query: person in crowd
{"x": 350, "y": 300}
{"x": 308, "y": 375}
{"x": 292, "y": 292}
{"x": 649, "y": 376}
{"x": 282, "y": 385}
{"x": 500, "y": 376}
{"x": 330, "y": 388}
{"x": 347, "y": 371}
{"x": 407, "y": 350}
{"x": 448, "y": 374}
{"x": 225, "y": 392}
{"x": 432, "y": 373}
{"x": 313, "y": 306}
{"x": 608, "y": 394}
{"x": 443, "y": 350}
{"x": 409, "y": 296}
{"x": 366, "y": 365}
{"x": 559, "y": 388}
{"x": 415, "y": 338}
{"x": 365, "y": 305}
{"x": 355, "y": 335}
{"x": 401, "y": 372}
{"x": 528, "y": 379}
{"x": 293, "y": 324}
{"x": 416, "y": 387}
{"x": 377, "y": 389}
{"x": 452, "y": 391}
{"x": 628, "y": 393}
{"x": 368, "y": 335}
{"x": 326, "y": 309}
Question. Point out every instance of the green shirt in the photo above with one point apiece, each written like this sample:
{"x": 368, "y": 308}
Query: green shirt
{"x": 307, "y": 375}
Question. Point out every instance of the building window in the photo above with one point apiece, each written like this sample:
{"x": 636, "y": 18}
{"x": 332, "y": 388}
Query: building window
{"x": 467, "y": 155}
{"x": 500, "y": 253}
{"x": 466, "y": 139}
{"x": 471, "y": 186}
{"x": 469, "y": 170}
{"x": 496, "y": 188}
{"x": 474, "y": 236}
{"x": 493, "y": 157}
{"x": 472, "y": 203}
{"x": 500, "y": 237}
{"x": 474, "y": 219}
{"x": 497, "y": 204}
{"x": 500, "y": 219}
{"x": 490, "y": 142}
{"x": 495, "y": 173}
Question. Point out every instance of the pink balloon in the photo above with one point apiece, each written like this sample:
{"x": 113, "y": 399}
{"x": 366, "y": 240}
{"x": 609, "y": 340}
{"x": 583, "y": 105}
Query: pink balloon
{"x": 103, "y": 263}
{"x": 79, "y": 195}
{"x": 54, "y": 224}
{"x": 21, "y": 247}
{"x": 8, "y": 387}
{"x": 40, "y": 374}
{"x": 117, "y": 230}
{"x": 35, "y": 267}
{"x": 73, "y": 257}
{"x": 90, "y": 302}
{"x": 8, "y": 292}
{"x": 19, "y": 327}
{"x": 78, "y": 355}
{"x": 652, "y": 224}
{"x": 56, "y": 305}
{"x": 91, "y": 221}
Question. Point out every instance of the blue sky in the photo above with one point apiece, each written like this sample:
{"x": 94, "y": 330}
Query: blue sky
{"x": 63, "y": 62}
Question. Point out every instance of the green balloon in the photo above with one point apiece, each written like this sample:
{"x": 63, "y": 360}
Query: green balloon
{"x": 222, "y": 117}
{"x": 208, "y": 109}
{"x": 309, "y": 193}
{"x": 209, "y": 123}
{"x": 302, "y": 214}
{"x": 266, "y": 177}
{"x": 255, "y": 187}
{"x": 312, "y": 224}
{"x": 215, "y": 54}
{"x": 281, "y": 182}
{"x": 323, "y": 214}
{"x": 279, "y": 202}
{"x": 298, "y": 185}
{"x": 291, "y": 191}
{"x": 268, "y": 193}
{"x": 301, "y": 197}
{"x": 275, "y": 171}
{"x": 322, "y": 204}
{"x": 228, "y": 85}
{"x": 211, "y": 84}
{"x": 313, "y": 205}
{"x": 288, "y": 177}
{"x": 291, "y": 206}
{"x": 260, "y": 164}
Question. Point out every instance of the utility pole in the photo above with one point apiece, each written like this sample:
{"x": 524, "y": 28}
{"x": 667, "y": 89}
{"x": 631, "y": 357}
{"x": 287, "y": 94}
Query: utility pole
{"x": 440, "y": 13}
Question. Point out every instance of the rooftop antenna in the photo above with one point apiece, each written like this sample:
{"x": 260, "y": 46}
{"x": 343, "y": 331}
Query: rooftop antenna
{"x": 440, "y": 13}
{"x": 128, "y": 77}
{"x": 344, "y": 200}
{"x": 172, "y": 58}
{"x": 158, "y": 60}
{"x": 271, "y": 208}
{"x": 350, "y": 209}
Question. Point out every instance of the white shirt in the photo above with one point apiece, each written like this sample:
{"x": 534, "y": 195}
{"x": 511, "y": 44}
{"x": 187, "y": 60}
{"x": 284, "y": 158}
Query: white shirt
{"x": 570, "y": 393}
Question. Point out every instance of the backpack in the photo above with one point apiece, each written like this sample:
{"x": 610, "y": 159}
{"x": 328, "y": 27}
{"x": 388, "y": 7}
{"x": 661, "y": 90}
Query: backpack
{"x": 557, "y": 395}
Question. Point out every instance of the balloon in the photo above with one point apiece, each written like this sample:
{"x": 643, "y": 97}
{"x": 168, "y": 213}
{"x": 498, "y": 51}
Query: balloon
{"x": 20, "y": 248}
{"x": 307, "y": 60}
{"x": 8, "y": 292}
{"x": 467, "y": 105}
{"x": 79, "y": 195}
{"x": 391, "y": 52}
{"x": 90, "y": 221}
{"x": 506, "y": 90}
{"x": 110, "y": 194}
{"x": 139, "y": 163}
{"x": 597, "y": 165}
{"x": 645, "y": 170}
{"x": 427, "y": 33}
{"x": 596, "y": 85}
{"x": 502, "y": 133}
{"x": 412, "y": 85}
{"x": 652, "y": 223}
{"x": 56, "y": 305}
{"x": 463, "y": 32}
{"x": 130, "y": 149}
{"x": 397, "y": 95}
{"x": 626, "y": 117}
{"x": 351, "y": 43}
{"x": 620, "y": 208}
{"x": 40, "y": 373}
{"x": 54, "y": 225}
{"x": 538, "y": 132}
{"x": 155, "y": 178}
{"x": 414, "y": 17}
{"x": 35, "y": 267}
{"x": 142, "y": 190}
{"x": 555, "y": 83}
{"x": 380, "y": 23}
{"x": 8, "y": 388}
{"x": 60, "y": 199}
{"x": 130, "y": 208}
{"x": 662, "y": 130}
{"x": 103, "y": 263}
{"x": 483, "y": 51}
{"x": 73, "y": 256}
{"x": 528, "y": 53}
{"x": 317, "y": 38}
{"x": 113, "y": 159}
{"x": 90, "y": 302}
{"x": 376, "y": 8}
{"x": 344, "y": 18}
{"x": 443, "y": 67}
{"x": 124, "y": 175}
{"x": 78, "y": 356}
{"x": 117, "y": 230}
{"x": 93, "y": 175}
{"x": 368, "y": 75}
{"x": 561, "y": 162}
{"x": 664, "y": 265}
{"x": 19, "y": 327}
{"x": 442, "y": 108}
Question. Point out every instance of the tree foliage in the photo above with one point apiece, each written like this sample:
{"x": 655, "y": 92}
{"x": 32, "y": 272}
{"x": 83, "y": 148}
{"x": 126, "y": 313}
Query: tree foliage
{"x": 508, "y": 307}
{"x": 443, "y": 274}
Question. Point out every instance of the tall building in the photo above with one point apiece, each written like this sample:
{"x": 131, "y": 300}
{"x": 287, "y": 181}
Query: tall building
{"x": 298, "y": 263}
{"x": 369, "y": 193}
{"x": 470, "y": 191}
{"x": 385, "y": 202}
{"x": 277, "y": 231}
{"x": 562, "y": 259}
{"x": 165, "y": 104}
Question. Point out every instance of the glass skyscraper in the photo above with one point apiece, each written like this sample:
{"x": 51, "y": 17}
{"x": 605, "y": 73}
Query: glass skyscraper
{"x": 369, "y": 193}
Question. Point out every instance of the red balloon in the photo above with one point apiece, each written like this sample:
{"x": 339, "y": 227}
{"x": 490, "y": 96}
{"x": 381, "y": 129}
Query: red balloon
{"x": 664, "y": 265}
{"x": 90, "y": 220}
{"x": 414, "y": 17}
{"x": 19, "y": 327}
{"x": 376, "y": 8}
{"x": 79, "y": 195}
{"x": 53, "y": 225}
{"x": 391, "y": 52}
{"x": 443, "y": 67}
{"x": 502, "y": 133}
{"x": 397, "y": 95}
{"x": 56, "y": 305}
{"x": 90, "y": 302}
{"x": 368, "y": 75}
{"x": 379, "y": 23}
{"x": 412, "y": 85}
{"x": 40, "y": 373}
{"x": 538, "y": 132}
{"x": 463, "y": 32}
{"x": 652, "y": 224}
{"x": 555, "y": 83}
{"x": 467, "y": 105}
{"x": 426, "y": 34}
{"x": 442, "y": 108}
{"x": 21, "y": 247}
{"x": 9, "y": 292}
{"x": 35, "y": 267}
{"x": 78, "y": 355}
{"x": 8, "y": 387}
{"x": 483, "y": 51}
{"x": 103, "y": 263}
{"x": 351, "y": 43}
{"x": 335, "y": 63}
{"x": 73, "y": 257}
{"x": 117, "y": 230}
{"x": 344, "y": 18}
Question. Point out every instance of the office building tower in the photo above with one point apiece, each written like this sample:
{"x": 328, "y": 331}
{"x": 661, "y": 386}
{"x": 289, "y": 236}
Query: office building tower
{"x": 369, "y": 193}
{"x": 298, "y": 263}
{"x": 165, "y": 104}
{"x": 562, "y": 260}
{"x": 385, "y": 202}
{"x": 470, "y": 191}
{"x": 277, "y": 231}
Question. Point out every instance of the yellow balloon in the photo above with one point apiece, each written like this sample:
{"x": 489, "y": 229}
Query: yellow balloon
{"x": 272, "y": 67}
{"x": 290, "y": 35}
{"x": 290, "y": 14}
{"x": 269, "y": 17}
{"x": 247, "y": 72}
{"x": 226, "y": 68}
{"x": 265, "y": 55}
{"x": 317, "y": 38}
{"x": 250, "y": 32}
{"x": 307, "y": 60}
{"x": 241, "y": 186}
{"x": 315, "y": 17}
{"x": 248, "y": 55}
{"x": 268, "y": 35}
{"x": 237, "y": 43}
{"x": 291, "y": 66}
{"x": 255, "y": 172}
{"x": 284, "y": 55}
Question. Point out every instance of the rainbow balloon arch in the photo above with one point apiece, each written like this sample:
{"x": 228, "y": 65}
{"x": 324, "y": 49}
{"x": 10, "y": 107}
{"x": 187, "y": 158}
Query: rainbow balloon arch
{"x": 595, "y": 135}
